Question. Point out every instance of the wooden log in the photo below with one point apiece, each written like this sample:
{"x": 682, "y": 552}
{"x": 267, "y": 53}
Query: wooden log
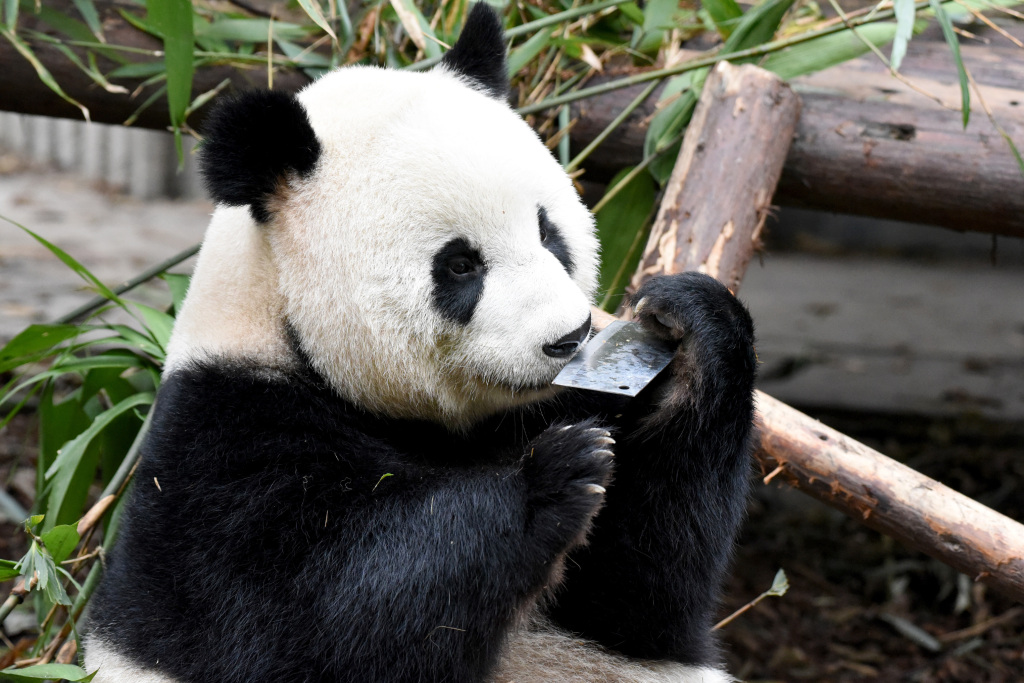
{"x": 890, "y": 497}
{"x": 720, "y": 190}
{"x": 867, "y": 144}
{"x": 22, "y": 91}
{"x": 792, "y": 447}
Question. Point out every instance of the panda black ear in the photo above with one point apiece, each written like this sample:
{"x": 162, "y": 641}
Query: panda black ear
{"x": 479, "y": 53}
{"x": 250, "y": 143}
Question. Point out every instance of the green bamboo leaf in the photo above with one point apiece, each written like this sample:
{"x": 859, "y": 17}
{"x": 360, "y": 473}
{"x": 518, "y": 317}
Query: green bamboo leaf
{"x": 657, "y": 20}
{"x": 178, "y": 284}
{"x": 827, "y": 51}
{"x": 905, "y": 11}
{"x": 33, "y": 340}
{"x": 92, "y": 18}
{"x": 158, "y": 323}
{"x": 121, "y": 361}
{"x": 72, "y": 452}
{"x": 11, "y": 14}
{"x": 954, "y": 47}
{"x": 42, "y": 672}
{"x": 60, "y": 541}
{"x": 622, "y": 228}
{"x": 137, "y": 70}
{"x": 8, "y": 570}
{"x": 137, "y": 340}
{"x": 172, "y": 19}
{"x": 71, "y": 263}
{"x": 44, "y": 74}
{"x": 725, "y": 14}
{"x": 417, "y": 26}
{"x": 758, "y": 25}
{"x": 525, "y": 53}
{"x": 89, "y": 70}
{"x": 312, "y": 9}
{"x": 250, "y": 30}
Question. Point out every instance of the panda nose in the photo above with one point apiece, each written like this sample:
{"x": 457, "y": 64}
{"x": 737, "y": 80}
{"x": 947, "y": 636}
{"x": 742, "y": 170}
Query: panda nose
{"x": 567, "y": 345}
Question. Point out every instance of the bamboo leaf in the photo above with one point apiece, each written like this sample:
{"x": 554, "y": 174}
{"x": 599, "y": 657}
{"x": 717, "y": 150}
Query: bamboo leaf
{"x": 758, "y": 25}
{"x": 621, "y": 227}
{"x": 657, "y": 20}
{"x": 72, "y": 452}
{"x": 8, "y": 570}
{"x": 44, "y": 74}
{"x": 417, "y": 26}
{"x": 92, "y": 18}
{"x": 172, "y": 20}
{"x": 725, "y": 14}
{"x": 60, "y": 541}
{"x": 828, "y": 51}
{"x": 525, "y": 53}
{"x": 312, "y": 9}
{"x": 158, "y": 323}
{"x": 71, "y": 263}
{"x": 954, "y": 47}
{"x": 178, "y": 284}
{"x": 905, "y": 11}
{"x": 32, "y": 340}
{"x": 42, "y": 672}
{"x": 250, "y": 30}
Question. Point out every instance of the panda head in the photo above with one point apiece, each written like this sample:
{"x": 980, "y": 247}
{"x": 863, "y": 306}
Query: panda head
{"x": 414, "y": 237}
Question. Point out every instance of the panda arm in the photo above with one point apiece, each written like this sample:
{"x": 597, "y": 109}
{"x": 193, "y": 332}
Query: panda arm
{"x": 648, "y": 582}
{"x": 426, "y": 577}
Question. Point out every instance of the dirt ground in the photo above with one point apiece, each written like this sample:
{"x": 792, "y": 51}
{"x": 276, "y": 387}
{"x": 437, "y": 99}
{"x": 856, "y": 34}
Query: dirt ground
{"x": 858, "y": 601}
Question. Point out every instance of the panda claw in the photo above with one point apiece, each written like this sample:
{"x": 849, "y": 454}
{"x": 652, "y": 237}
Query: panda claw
{"x": 605, "y": 452}
{"x": 639, "y": 306}
{"x": 605, "y": 440}
{"x": 595, "y": 488}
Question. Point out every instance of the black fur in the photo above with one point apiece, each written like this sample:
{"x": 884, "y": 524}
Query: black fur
{"x": 551, "y": 238}
{"x": 457, "y": 293}
{"x": 479, "y": 53}
{"x": 648, "y": 582}
{"x": 250, "y": 143}
{"x": 295, "y": 538}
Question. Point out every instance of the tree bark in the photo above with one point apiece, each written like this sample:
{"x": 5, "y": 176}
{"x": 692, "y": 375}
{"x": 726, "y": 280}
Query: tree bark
{"x": 835, "y": 469}
{"x": 22, "y": 91}
{"x": 720, "y": 191}
{"x": 890, "y": 497}
{"x": 867, "y": 144}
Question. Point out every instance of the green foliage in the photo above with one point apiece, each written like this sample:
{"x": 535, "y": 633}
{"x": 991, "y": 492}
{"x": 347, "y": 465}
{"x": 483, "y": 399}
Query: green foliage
{"x": 95, "y": 381}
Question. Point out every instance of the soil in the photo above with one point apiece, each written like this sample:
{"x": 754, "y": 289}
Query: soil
{"x": 861, "y": 607}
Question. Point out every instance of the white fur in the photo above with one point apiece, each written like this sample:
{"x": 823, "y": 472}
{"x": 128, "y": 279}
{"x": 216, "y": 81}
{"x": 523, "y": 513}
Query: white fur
{"x": 233, "y": 308}
{"x": 544, "y": 654}
{"x": 115, "y": 668}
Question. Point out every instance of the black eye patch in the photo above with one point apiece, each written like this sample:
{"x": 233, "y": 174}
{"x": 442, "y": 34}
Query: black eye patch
{"x": 458, "y": 273}
{"x": 551, "y": 238}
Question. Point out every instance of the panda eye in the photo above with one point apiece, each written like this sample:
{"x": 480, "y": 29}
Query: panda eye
{"x": 543, "y": 233}
{"x": 461, "y": 265}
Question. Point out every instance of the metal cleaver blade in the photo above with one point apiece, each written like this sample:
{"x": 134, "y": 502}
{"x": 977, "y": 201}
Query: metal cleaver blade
{"x": 621, "y": 359}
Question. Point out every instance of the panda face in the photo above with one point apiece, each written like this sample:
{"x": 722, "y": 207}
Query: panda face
{"x": 408, "y": 230}
{"x": 437, "y": 262}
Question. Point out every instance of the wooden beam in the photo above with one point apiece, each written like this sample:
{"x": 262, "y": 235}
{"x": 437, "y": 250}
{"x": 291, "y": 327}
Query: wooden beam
{"x": 867, "y": 144}
{"x": 743, "y": 103}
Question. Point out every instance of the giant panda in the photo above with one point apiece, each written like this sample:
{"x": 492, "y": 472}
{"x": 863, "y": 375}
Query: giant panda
{"x": 357, "y": 468}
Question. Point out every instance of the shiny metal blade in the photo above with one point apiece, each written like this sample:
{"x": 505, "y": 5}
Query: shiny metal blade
{"x": 621, "y": 359}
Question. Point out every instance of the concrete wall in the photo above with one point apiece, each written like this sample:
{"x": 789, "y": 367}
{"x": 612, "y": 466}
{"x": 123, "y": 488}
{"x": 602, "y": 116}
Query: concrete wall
{"x": 141, "y": 163}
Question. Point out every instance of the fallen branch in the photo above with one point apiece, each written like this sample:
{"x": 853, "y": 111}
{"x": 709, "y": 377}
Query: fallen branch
{"x": 846, "y": 475}
{"x": 870, "y": 145}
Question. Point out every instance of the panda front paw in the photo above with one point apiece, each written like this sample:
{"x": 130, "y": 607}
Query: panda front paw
{"x": 692, "y": 304}
{"x": 566, "y": 470}
{"x": 714, "y": 331}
